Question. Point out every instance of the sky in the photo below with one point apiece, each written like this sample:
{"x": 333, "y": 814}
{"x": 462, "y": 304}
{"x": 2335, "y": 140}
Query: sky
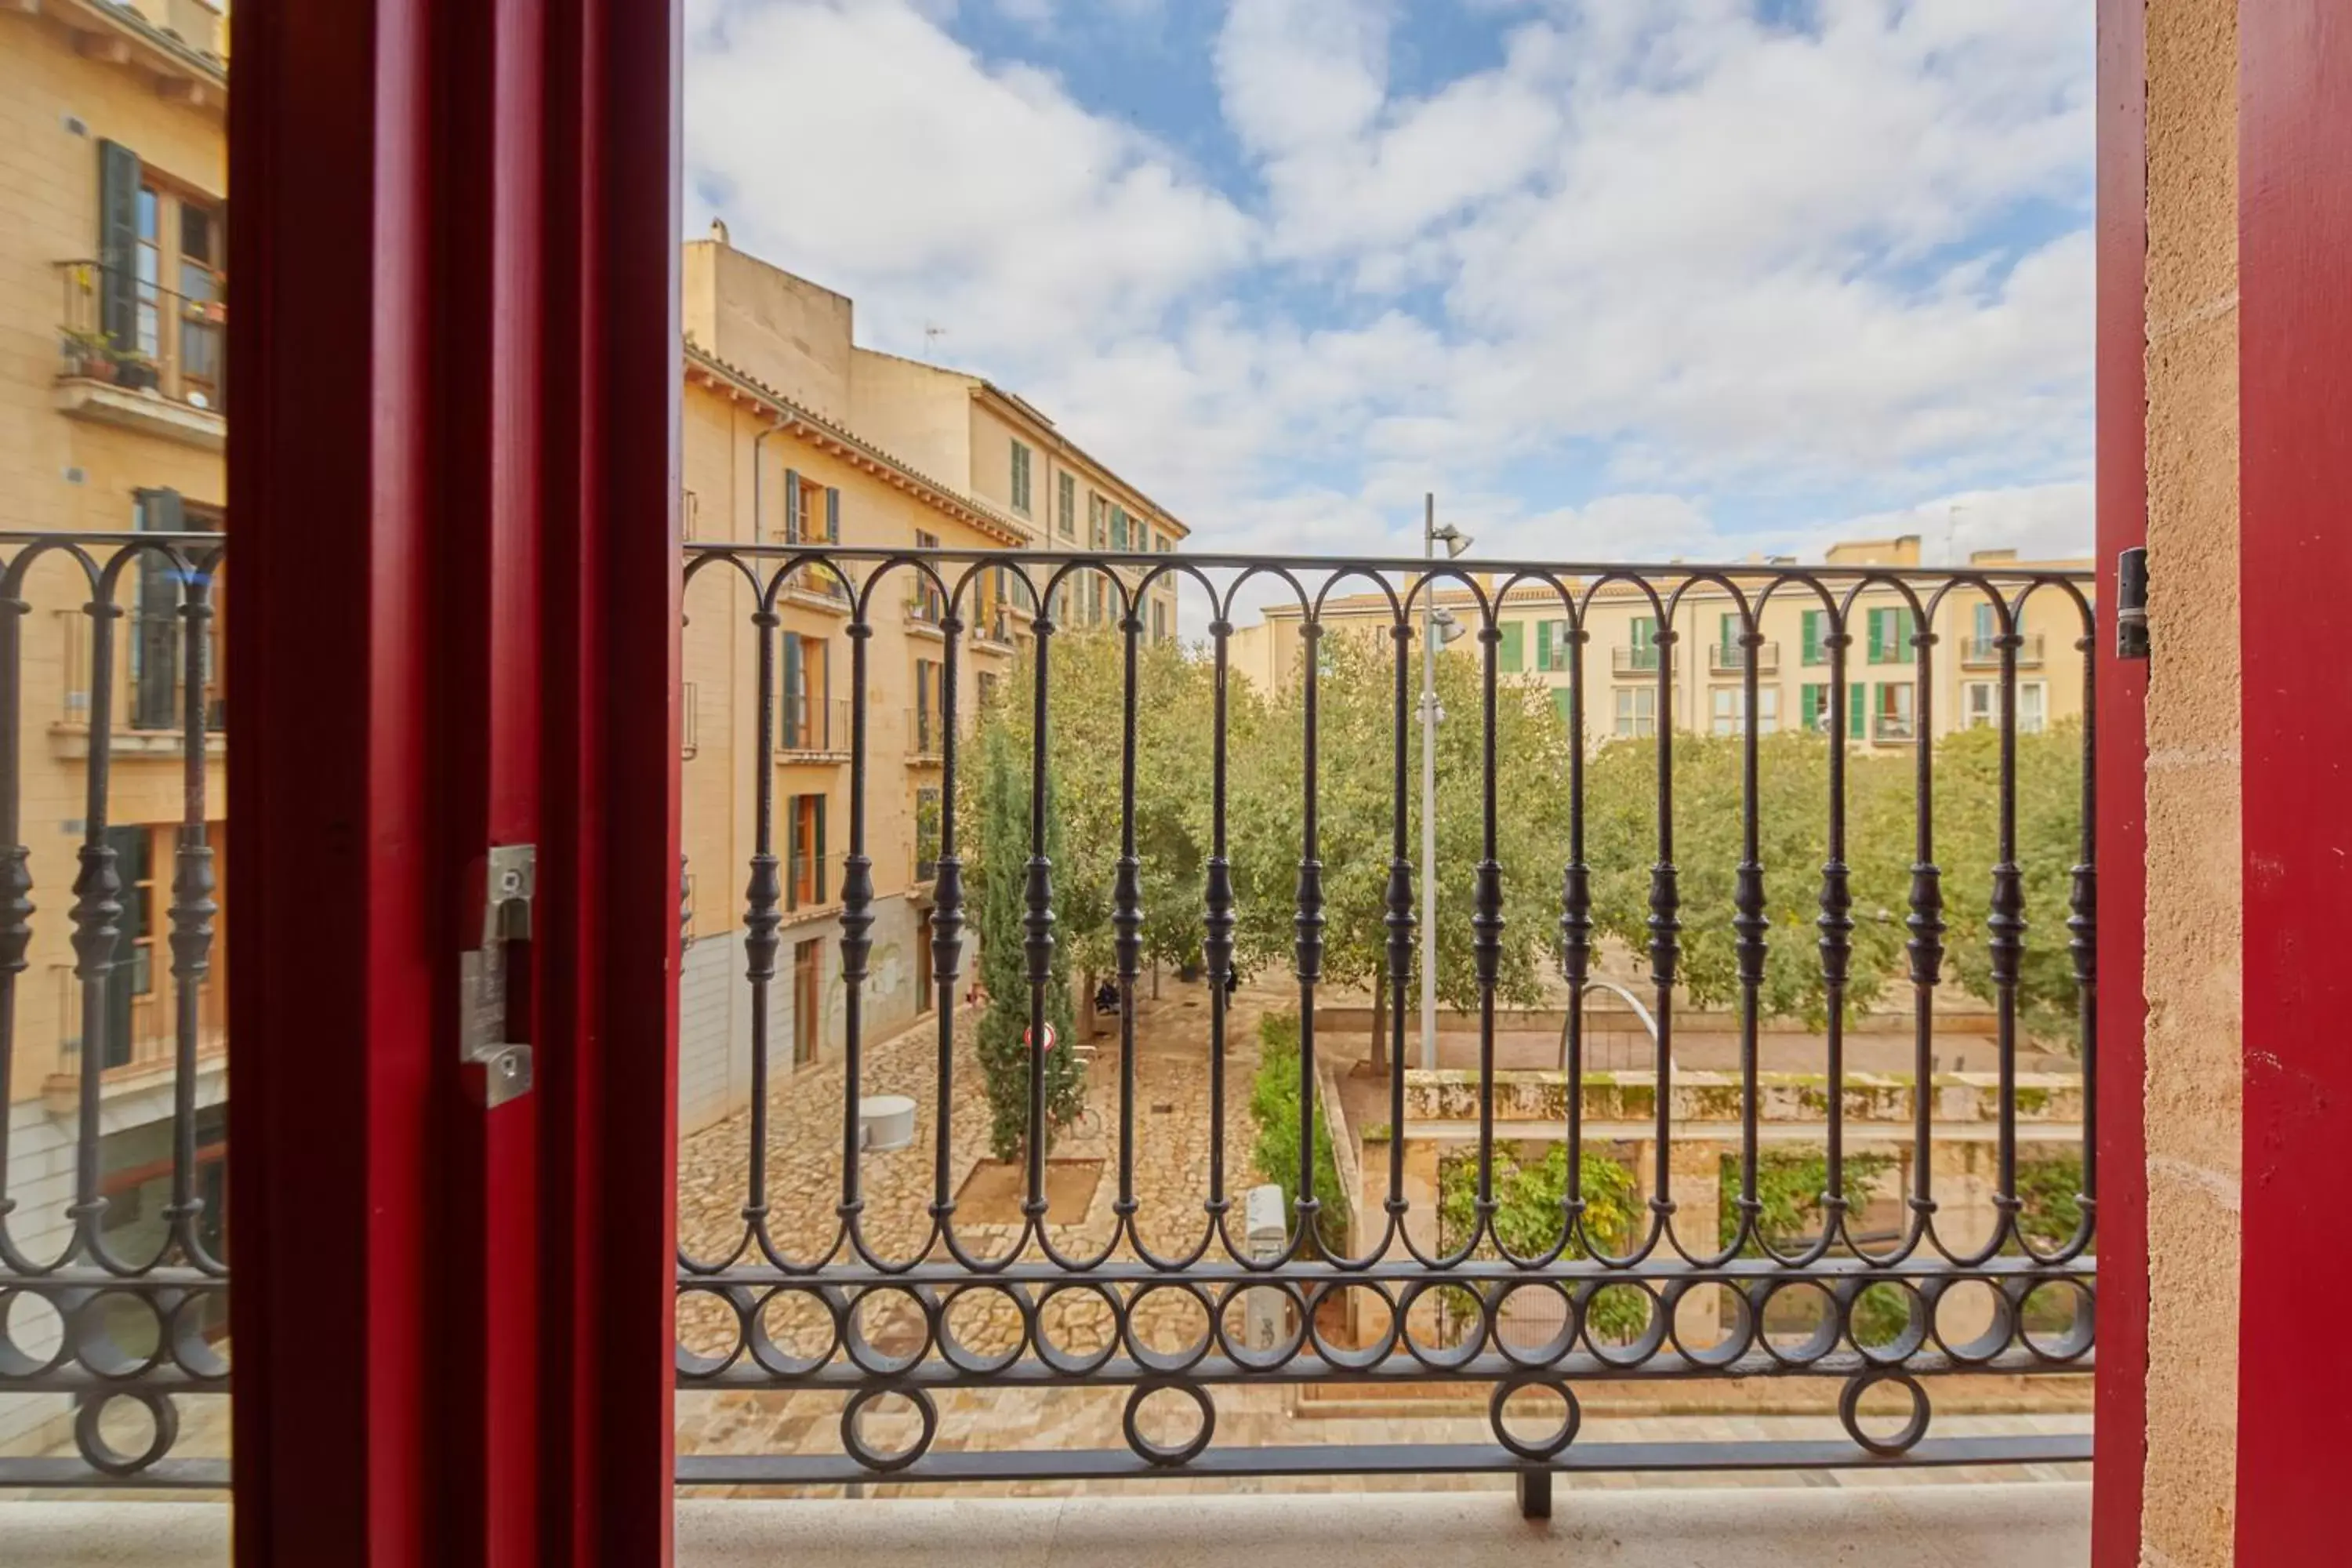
{"x": 1617, "y": 280}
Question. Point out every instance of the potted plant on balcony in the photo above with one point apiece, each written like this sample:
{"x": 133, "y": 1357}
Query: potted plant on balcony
{"x": 135, "y": 370}
{"x": 87, "y": 354}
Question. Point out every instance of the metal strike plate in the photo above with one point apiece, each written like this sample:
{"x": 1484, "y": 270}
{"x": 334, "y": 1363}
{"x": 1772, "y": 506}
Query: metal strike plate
{"x": 497, "y": 1067}
{"x": 2131, "y": 603}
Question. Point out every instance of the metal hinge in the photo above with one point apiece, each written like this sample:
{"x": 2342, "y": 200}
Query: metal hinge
{"x": 2131, "y": 602}
{"x": 497, "y": 1066}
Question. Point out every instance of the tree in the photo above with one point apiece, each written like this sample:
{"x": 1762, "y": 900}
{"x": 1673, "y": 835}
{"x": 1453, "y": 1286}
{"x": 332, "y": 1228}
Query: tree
{"x": 1355, "y": 799}
{"x": 999, "y": 834}
{"x": 1085, "y": 706}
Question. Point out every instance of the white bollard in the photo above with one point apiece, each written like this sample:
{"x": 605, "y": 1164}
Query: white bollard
{"x": 1265, "y": 1316}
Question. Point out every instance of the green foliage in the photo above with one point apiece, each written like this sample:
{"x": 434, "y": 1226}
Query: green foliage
{"x": 1531, "y": 1212}
{"x": 1000, "y": 840}
{"x": 1788, "y": 1185}
{"x": 1084, "y": 731}
{"x": 1355, "y": 790}
{"x": 2049, "y": 843}
{"x": 1792, "y": 767}
{"x": 1274, "y": 1104}
{"x": 2051, "y": 1190}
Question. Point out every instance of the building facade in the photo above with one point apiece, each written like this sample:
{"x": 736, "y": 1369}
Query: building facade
{"x": 793, "y": 434}
{"x": 113, "y": 420}
{"x": 1704, "y": 663}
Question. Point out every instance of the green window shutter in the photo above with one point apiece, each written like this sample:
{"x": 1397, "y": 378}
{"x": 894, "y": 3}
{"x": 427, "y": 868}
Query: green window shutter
{"x": 1878, "y": 636}
{"x": 832, "y": 515}
{"x": 820, "y": 849}
{"x": 795, "y": 676}
{"x": 1543, "y": 645}
{"x": 1809, "y": 704}
{"x": 1854, "y": 719}
{"x": 792, "y": 506}
{"x": 1727, "y": 633}
{"x": 117, "y": 244}
{"x": 1645, "y": 631}
{"x": 1813, "y": 652}
{"x": 1514, "y": 646}
{"x": 1564, "y": 699}
{"x": 155, "y": 636}
{"x": 1906, "y": 627}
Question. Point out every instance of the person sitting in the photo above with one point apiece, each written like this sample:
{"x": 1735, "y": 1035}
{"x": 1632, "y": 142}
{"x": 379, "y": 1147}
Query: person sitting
{"x": 1106, "y": 997}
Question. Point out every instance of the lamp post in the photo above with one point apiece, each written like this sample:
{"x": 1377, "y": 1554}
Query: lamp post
{"x": 1438, "y": 628}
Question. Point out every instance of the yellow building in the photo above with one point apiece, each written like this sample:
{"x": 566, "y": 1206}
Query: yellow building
{"x": 1705, "y": 674}
{"x": 793, "y": 433}
{"x": 113, "y": 393}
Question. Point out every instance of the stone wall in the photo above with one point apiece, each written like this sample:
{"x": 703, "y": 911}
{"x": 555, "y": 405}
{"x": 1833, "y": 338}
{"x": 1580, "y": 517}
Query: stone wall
{"x": 2193, "y": 930}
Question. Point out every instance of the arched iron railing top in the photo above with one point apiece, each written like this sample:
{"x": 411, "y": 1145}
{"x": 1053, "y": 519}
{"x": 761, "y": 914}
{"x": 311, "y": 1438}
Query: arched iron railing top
{"x": 1410, "y": 565}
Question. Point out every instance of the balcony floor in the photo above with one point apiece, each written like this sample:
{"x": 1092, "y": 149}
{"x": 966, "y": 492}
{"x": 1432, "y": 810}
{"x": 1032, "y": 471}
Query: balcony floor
{"x": 2002, "y": 1525}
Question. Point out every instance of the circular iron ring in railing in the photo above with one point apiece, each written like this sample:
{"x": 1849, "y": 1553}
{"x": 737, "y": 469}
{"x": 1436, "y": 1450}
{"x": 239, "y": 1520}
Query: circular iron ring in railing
{"x": 1552, "y": 1443}
{"x": 1908, "y": 1436}
{"x": 876, "y": 1460}
{"x": 1158, "y": 1455}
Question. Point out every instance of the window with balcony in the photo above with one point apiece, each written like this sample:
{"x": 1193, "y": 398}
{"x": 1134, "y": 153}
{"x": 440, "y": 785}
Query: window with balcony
{"x": 1890, "y": 714}
{"x": 147, "y": 311}
{"x": 812, "y": 720}
{"x": 1021, "y": 478}
{"x": 1814, "y": 708}
{"x": 1891, "y": 631}
{"x": 812, "y": 515}
{"x": 1641, "y": 650}
{"x": 926, "y": 605}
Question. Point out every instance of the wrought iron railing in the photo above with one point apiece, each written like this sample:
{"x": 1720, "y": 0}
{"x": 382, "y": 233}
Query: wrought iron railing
{"x": 961, "y": 1309}
{"x": 1731, "y": 657}
{"x": 1698, "y": 1290}
{"x": 112, "y": 1305}
{"x": 815, "y": 726}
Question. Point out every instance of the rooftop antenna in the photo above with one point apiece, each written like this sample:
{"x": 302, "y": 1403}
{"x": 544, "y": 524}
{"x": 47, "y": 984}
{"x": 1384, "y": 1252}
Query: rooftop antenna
{"x": 932, "y": 333}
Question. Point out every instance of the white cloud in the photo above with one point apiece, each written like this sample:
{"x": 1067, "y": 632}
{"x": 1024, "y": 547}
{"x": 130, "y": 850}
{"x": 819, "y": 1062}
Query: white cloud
{"x": 1694, "y": 267}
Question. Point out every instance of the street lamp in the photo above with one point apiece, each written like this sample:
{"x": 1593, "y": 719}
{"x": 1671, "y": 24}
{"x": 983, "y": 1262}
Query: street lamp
{"x": 1438, "y": 628}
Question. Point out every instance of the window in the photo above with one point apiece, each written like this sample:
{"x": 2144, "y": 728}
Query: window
{"x": 1891, "y": 717}
{"x": 1891, "y": 631}
{"x": 689, "y": 515}
{"x": 1020, "y": 479}
{"x": 1816, "y": 625}
{"x": 930, "y": 707}
{"x": 1813, "y": 708}
{"x": 1098, "y": 522}
{"x": 1637, "y": 710}
{"x": 156, "y": 291}
{"x": 984, "y": 686}
{"x": 1727, "y": 633}
{"x": 1069, "y": 506}
{"x": 926, "y": 835}
{"x": 1984, "y": 633}
{"x": 804, "y": 852}
{"x": 1553, "y": 648}
{"x": 812, "y": 516}
{"x": 925, "y": 604}
{"x": 1162, "y": 543}
{"x": 1512, "y": 652}
{"x": 1118, "y": 527}
{"x": 1644, "y": 645}
{"x": 1159, "y": 620}
{"x": 807, "y": 715}
{"x": 1980, "y": 704}
{"x": 1730, "y": 705}
{"x": 133, "y": 978}
{"x": 808, "y": 999}
{"x": 2032, "y": 708}
{"x": 1564, "y": 699}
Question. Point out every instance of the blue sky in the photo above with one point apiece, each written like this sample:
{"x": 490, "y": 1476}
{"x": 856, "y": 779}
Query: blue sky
{"x": 1626, "y": 278}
